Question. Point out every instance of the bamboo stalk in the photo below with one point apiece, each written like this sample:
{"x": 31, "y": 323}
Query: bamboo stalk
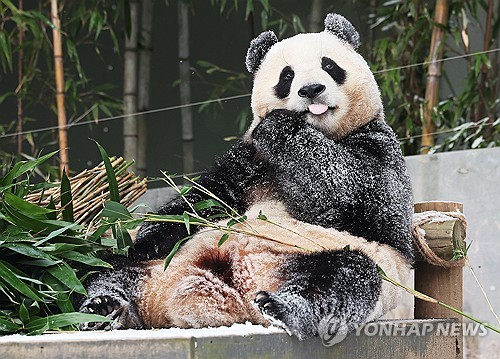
{"x": 59, "y": 76}
{"x": 316, "y": 16}
{"x": 484, "y": 71}
{"x": 185, "y": 85}
{"x": 20, "y": 59}
{"x": 434, "y": 74}
{"x": 144, "y": 85}
{"x": 130, "y": 85}
{"x": 90, "y": 190}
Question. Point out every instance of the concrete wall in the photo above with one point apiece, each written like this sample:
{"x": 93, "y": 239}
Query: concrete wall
{"x": 242, "y": 341}
{"x": 473, "y": 178}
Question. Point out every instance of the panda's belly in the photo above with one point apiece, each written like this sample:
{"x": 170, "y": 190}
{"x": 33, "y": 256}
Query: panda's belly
{"x": 210, "y": 285}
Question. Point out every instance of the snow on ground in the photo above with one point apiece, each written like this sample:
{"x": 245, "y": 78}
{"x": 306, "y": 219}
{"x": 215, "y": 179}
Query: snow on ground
{"x": 171, "y": 333}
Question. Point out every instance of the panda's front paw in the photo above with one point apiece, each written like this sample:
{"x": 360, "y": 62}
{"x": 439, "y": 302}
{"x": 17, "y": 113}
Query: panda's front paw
{"x": 121, "y": 312}
{"x": 276, "y": 130}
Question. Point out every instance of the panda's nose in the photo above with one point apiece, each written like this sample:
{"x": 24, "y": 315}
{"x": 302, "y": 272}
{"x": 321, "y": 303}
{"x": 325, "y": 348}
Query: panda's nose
{"x": 311, "y": 91}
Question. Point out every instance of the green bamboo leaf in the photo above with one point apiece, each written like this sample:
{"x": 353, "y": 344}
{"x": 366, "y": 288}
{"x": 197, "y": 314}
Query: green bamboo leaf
{"x": 66, "y": 199}
{"x": 5, "y": 95}
{"x": 29, "y": 251}
{"x": 174, "y": 251}
{"x": 21, "y": 205}
{"x": 224, "y": 238}
{"x": 51, "y": 206}
{"x": 185, "y": 217}
{"x": 116, "y": 210}
{"x": 32, "y": 224}
{"x": 123, "y": 238}
{"x": 113, "y": 184}
{"x": 63, "y": 320}
{"x": 261, "y": 216}
{"x": 208, "y": 203}
{"x": 185, "y": 190}
{"x": 6, "y": 50}
{"x": 24, "y": 315}
{"x": 9, "y": 277}
{"x": 249, "y": 8}
{"x": 86, "y": 259}
{"x": 7, "y": 326}
{"x": 59, "y": 231}
{"x": 66, "y": 275}
{"x": 22, "y": 167}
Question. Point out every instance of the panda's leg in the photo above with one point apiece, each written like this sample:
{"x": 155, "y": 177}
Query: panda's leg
{"x": 324, "y": 293}
{"x": 113, "y": 293}
{"x": 204, "y": 293}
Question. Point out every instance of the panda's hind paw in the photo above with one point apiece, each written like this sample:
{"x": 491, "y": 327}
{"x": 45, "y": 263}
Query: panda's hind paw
{"x": 119, "y": 311}
{"x": 272, "y": 309}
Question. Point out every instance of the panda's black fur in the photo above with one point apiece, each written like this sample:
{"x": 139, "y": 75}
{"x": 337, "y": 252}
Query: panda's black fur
{"x": 344, "y": 186}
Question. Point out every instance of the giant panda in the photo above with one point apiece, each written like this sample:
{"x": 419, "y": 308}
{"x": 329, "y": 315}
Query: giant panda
{"x": 321, "y": 164}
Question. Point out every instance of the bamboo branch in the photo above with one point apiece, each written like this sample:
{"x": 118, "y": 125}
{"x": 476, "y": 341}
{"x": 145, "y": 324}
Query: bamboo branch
{"x": 429, "y": 299}
{"x": 59, "y": 76}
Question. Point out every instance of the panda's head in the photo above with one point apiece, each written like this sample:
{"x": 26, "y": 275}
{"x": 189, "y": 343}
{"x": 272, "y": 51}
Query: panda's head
{"x": 318, "y": 74}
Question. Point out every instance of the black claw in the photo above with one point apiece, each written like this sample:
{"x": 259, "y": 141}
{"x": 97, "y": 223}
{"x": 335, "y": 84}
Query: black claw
{"x": 262, "y": 297}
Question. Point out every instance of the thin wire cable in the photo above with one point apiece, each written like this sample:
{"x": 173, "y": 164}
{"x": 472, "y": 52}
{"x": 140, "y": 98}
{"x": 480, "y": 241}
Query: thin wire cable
{"x": 74, "y": 124}
{"x": 438, "y": 60}
{"x": 176, "y": 107}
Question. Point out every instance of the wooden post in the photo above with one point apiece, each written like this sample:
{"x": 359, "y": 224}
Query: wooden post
{"x": 443, "y": 284}
{"x": 59, "y": 73}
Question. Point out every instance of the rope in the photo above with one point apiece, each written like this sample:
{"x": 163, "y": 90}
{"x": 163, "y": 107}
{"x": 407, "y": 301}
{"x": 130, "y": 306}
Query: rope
{"x": 229, "y": 98}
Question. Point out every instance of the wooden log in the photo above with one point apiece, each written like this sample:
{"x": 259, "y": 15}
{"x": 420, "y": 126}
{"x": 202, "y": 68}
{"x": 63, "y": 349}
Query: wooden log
{"x": 445, "y": 236}
{"x": 443, "y": 284}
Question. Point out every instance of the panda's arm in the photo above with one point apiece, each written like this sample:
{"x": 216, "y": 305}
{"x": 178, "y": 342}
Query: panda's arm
{"x": 229, "y": 178}
{"x": 358, "y": 184}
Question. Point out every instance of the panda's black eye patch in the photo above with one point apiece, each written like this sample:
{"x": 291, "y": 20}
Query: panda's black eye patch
{"x": 337, "y": 73}
{"x": 282, "y": 89}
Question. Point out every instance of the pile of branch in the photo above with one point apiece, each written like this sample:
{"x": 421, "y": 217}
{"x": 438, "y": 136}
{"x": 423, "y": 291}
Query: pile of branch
{"x": 90, "y": 190}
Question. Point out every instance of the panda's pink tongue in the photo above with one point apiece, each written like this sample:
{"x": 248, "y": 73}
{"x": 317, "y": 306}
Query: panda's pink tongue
{"x": 317, "y": 108}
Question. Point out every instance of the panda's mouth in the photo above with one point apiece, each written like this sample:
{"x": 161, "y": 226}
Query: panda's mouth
{"x": 318, "y": 108}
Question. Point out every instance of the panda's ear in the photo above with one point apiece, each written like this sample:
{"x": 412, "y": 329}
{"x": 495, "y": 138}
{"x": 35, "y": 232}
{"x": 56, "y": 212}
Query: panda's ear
{"x": 258, "y": 50}
{"x": 342, "y": 28}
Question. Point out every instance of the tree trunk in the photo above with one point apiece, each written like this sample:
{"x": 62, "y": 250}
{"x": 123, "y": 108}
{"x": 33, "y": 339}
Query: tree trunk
{"x": 144, "y": 84}
{"x": 59, "y": 75}
{"x": 434, "y": 74}
{"x": 185, "y": 90}
{"x": 130, "y": 86}
{"x": 20, "y": 59}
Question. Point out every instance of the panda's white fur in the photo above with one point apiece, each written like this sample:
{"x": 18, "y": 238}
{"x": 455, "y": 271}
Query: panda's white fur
{"x": 251, "y": 276}
{"x": 199, "y": 298}
{"x": 356, "y": 102}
